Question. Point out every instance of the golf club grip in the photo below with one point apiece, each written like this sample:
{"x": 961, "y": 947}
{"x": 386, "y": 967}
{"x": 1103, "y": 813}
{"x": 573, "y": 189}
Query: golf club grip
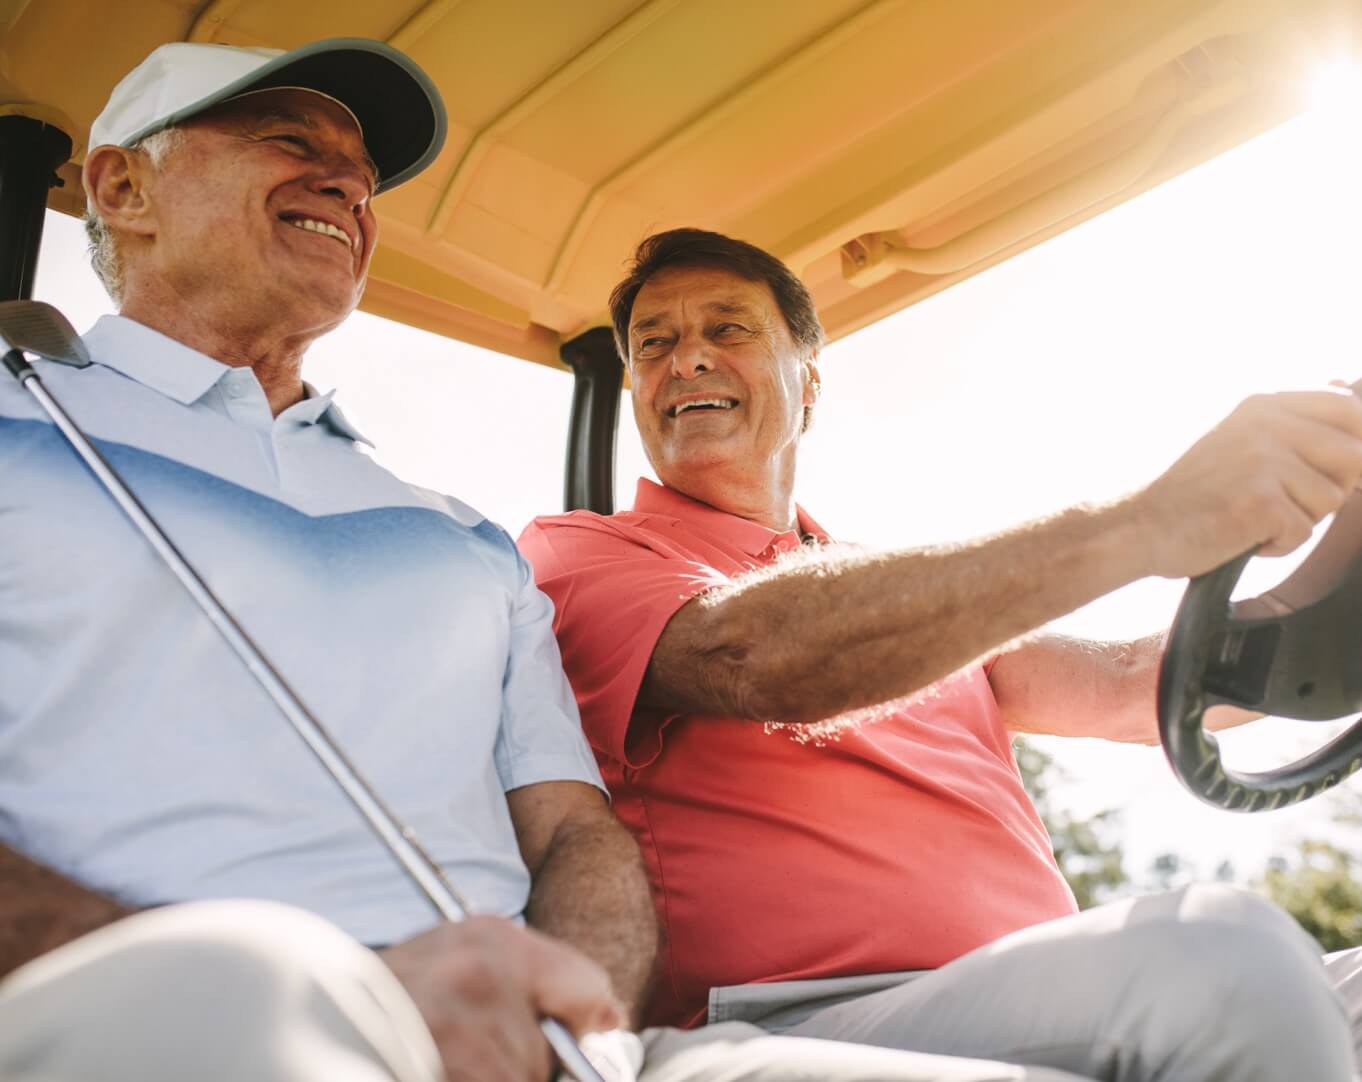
{"x": 565, "y": 1047}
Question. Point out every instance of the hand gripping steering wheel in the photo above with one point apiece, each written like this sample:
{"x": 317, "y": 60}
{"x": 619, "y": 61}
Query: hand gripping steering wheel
{"x": 1295, "y": 651}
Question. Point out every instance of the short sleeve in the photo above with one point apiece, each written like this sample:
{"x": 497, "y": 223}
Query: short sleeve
{"x": 540, "y": 737}
{"x": 613, "y": 596}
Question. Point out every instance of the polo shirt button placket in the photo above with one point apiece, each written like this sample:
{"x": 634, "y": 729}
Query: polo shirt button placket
{"x": 248, "y": 407}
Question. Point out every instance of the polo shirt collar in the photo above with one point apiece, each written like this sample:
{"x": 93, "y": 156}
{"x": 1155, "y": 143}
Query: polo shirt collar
{"x": 173, "y": 369}
{"x": 320, "y": 407}
{"x": 152, "y": 359}
{"x": 751, "y": 537}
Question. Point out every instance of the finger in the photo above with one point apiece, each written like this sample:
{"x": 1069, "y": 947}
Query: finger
{"x": 1289, "y": 528}
{"x": 472, "y": 1056}
{"x": 1316, "y": 494}
{"x": 1337, "y": 407}
{"x": 514, "y": 1030}
{"x": 571, "y": 988}
{"x": 1328, "y": 451}
{"x": 540, "y": 1060}
{"x": 1276, "y": 438}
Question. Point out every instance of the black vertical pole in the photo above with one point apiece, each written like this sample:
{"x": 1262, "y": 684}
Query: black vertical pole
{"x": 30, "y": 153}
{"x": 589, "y": 478}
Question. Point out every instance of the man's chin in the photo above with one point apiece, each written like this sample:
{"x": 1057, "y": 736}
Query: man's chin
{"x": 313, "y": 303}
{"x": 693, "y": 468}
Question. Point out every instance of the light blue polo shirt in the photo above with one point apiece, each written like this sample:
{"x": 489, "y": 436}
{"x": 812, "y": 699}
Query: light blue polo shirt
{"x": 138, "y": 756}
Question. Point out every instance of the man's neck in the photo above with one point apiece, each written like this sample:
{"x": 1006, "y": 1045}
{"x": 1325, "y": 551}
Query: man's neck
{"x": 275, "y": 357}
{"x": 769, "y": 504}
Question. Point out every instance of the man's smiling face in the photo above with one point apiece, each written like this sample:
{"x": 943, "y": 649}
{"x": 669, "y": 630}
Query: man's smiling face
{"x": 269, "y": 197}
{"x": 718, "y": 380}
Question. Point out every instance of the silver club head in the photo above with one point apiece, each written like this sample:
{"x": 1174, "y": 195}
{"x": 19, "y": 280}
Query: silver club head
{"x": 38, "y": 328}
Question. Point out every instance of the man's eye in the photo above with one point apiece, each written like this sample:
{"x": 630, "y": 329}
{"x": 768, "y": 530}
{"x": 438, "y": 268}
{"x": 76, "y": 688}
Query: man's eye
{"x": 294, "y": 140}
{"x": 729, "y": 328}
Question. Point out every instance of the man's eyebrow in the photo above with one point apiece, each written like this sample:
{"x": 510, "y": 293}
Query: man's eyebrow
{"x": 285, "y": 116}
{"x": 730, "y": 308}
{"x": 646, "y": 324}
{"x": 719, "y": 307}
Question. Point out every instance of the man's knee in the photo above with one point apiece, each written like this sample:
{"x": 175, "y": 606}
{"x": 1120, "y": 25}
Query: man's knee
{"x": 1218, "y": 904}
{"x": 197, "y": 949}
{"x": 1202, "y": 936}
{"x": 1213, "y": 929}
{"x": 221, "y": 986}
{"x": 1224, "y": 961}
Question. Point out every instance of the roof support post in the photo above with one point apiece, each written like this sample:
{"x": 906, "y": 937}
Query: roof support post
{"x": 30, "y": 152}
{"x": 589, "y": 480}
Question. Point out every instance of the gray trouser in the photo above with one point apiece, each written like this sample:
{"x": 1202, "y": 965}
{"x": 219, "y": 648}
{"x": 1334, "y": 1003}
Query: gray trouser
{"x": 1204, "y": 985}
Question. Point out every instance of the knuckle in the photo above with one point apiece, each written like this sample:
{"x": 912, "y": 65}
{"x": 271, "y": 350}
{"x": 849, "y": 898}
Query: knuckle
{"x": 1296, "y": 529}
{"x": 1263, "y": 496}
{"x": 541, "y": 1062}
{"x": 476, "y": 977}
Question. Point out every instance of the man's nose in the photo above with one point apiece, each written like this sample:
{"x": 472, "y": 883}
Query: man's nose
{"x": 347, "y": 182}
{"x": 691, "y": 357}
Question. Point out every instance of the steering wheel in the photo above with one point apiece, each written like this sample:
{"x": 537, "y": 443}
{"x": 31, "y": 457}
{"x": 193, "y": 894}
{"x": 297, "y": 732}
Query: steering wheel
{"x": 1295, "y": 651}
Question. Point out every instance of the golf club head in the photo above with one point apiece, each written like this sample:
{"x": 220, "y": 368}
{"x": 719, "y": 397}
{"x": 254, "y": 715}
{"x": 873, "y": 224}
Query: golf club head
{"x": 38, "y": 328}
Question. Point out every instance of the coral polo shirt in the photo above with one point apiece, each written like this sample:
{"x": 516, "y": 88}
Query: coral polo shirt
{"x": 894, "y": 838}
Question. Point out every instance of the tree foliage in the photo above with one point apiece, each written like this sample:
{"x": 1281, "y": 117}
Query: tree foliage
{"x": 1318, "y": 886}
{"x": 1319, "y": 882}
{"x": 1089, "y": 850}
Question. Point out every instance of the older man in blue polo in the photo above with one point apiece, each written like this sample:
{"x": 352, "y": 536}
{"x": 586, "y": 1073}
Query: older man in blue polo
{"x": 230, "y": 196}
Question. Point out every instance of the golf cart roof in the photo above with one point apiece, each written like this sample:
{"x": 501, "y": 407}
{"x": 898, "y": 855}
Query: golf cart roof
{"x": 885, "y": 149}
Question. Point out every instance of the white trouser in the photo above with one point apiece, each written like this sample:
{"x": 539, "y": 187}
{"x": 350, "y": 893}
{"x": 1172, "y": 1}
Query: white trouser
{"x": 212, "y": 991}
{"x": 258, "y": 992}
{"x": 1199, "y": 985}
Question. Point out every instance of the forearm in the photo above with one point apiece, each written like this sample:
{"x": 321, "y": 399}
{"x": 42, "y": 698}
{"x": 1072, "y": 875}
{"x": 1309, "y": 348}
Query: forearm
{"x": 1063, "y": 686}
{"x": 41, "y": 910}
{"x": 591, "y": 892}
{"x": 843, "y": 630}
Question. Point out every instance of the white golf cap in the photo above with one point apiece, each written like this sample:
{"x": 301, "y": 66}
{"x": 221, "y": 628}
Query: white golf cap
{"x": 397, "y": 107}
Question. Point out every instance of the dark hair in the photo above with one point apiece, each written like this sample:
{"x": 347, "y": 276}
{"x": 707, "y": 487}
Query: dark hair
{"x": 700, "y": 248}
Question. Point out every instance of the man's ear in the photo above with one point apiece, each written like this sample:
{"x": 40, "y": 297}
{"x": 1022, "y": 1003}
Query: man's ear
{"x": 812, "y": 384}
{"x": 116, "y": 186}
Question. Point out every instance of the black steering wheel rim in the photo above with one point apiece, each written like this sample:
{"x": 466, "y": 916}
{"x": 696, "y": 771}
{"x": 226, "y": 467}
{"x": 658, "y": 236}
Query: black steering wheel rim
{"x": 1267, "y": 655}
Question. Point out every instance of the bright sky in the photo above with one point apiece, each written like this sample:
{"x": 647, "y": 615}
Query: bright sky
{"x": 1076, "y": 371}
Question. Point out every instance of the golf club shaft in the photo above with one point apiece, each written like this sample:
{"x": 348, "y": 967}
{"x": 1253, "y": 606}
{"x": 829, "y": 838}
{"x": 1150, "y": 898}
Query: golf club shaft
{"x": 400, "y": 841}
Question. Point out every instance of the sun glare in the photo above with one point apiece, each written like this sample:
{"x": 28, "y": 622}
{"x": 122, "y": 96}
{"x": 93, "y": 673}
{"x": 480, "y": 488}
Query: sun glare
{"x": 1333, "y": 124}
{"x": 1336, "y": 89}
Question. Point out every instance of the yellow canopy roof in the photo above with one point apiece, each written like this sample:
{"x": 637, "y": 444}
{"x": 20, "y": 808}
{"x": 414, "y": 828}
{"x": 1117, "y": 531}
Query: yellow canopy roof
{"x": 883, "y": 148}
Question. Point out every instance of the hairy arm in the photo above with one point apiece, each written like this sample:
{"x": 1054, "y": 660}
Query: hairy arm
{"x": 838, "y": 631}
{"x": 41, "y": 910}
{"x": 589, "y": 888}
{"x": 1063, "y": 686}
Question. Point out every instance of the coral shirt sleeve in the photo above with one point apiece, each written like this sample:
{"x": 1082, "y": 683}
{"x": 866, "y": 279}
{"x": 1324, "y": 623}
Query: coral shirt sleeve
{"x": 613, "y": 595}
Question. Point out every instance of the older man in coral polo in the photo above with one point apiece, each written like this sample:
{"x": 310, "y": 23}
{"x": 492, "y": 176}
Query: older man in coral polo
{"x": 812, "y": 742}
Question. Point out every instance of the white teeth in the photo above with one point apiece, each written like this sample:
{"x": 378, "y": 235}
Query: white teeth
{"x": 718, "y": 403}
{"x": 314, "y": 226}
